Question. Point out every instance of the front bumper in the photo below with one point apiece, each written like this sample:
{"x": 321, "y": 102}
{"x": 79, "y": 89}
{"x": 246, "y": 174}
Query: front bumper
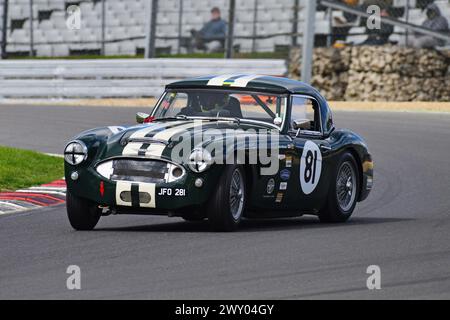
{"x": 137, "y": 195}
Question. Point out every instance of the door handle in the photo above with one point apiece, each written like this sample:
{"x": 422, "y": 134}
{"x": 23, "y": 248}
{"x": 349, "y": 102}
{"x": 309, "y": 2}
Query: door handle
{"x": 324, "y": 147}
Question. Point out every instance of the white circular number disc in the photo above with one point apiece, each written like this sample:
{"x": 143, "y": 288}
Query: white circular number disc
{"x": 310, "y": 167}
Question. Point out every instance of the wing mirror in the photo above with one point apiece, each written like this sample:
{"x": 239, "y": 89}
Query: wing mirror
{"x": 301, "y": 124}
{"x": 141, "y": 117}
{"x": 278, "y": 121}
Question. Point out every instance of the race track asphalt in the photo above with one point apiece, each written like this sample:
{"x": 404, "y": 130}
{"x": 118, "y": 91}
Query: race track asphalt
{"x": 404, "y": 228}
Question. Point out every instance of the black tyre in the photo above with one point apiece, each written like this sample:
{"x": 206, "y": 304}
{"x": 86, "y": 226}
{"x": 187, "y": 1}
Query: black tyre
{"x": 344, "y": 191}
{"x": 227, "y": 204}
{"x": 82, "y": 214}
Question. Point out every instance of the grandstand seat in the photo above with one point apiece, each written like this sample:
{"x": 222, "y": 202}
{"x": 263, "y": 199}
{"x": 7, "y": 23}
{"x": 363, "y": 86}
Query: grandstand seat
{"x": 17, "y": 12}
{"x": 135, "y": 31}
{"x": 89, "y": 35}
{"x": 113, "y": 22}
{"x": 111, "y": 48}
{"x": 116, "y": 6}
{"x": 44, "y": 50}
{"x": 58, "y": 19}
{"x": 127, "y": 19}
{"x": 46, "y": 25}
{"x": 136, "y": 6}
{"x": 244, "y": 29}
{"x": 416, "y": 16}
{"x": 116, "y": 33}
{"x": 245, "y": 6}
{"x": 86, "y": 7}
{"x": 53, "y": 35}
{"x": 39, "y": 36}
{"x": 127, "y": 48}
{"x": 322, "y": 27}
{"x": 92, "y": 20}
{"x": 138, "y": 17}
{"x": 71, "y": 35}
{"x": 140, "y": 43}
{"x": 61, "y": 50}
{"x": 20, "y": 35}
{"x": 56, "y": 4}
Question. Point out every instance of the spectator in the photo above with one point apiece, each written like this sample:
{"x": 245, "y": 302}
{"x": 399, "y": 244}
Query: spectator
{"x": 423, "y": 4}
{"x": 380, "y": 36}
{"x": 348, "y": 16}
{"x": 435, "y": 21}
{"x": 342, "y": 26}
{"x": 211, "y": 37}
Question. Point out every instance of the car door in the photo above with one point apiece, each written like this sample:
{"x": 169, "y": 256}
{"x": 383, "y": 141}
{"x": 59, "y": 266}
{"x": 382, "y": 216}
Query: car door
{"x": 311, "y": 154}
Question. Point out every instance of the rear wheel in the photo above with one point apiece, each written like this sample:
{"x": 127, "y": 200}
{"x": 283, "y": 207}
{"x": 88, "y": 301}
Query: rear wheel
{"x": 226, "y": 206}
{"x": 343, "y": 193}
{"x": 82, "y": 214}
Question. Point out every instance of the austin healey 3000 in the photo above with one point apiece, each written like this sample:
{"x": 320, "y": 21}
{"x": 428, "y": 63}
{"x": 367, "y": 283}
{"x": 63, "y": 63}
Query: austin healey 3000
{"x": 221, "y": 148}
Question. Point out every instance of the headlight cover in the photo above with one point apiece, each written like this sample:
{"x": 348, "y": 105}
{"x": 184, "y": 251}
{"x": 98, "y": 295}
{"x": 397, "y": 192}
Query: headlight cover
{"x": 200, "y": 160}
{"x": 75, "y": 152}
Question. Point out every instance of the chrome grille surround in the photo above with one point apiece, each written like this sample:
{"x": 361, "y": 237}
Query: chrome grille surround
{"x": 144, "y": 170}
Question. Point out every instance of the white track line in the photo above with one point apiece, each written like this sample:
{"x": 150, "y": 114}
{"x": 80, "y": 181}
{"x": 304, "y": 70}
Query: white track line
{"x": 55, "y": 155}
{"x": 42, "y": 192}
{"x": 12, "y": 205}
{"x": 58, "y": 189}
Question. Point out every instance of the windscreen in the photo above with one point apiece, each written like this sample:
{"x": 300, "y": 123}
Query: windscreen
{"x": 224, "y": 104}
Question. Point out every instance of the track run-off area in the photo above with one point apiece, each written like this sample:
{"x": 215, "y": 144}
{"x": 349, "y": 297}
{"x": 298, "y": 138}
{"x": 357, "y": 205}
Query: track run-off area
{"x": 403, "y": 227}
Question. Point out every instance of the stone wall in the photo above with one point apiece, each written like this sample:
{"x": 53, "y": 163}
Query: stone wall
{"x": 385, "y": 73}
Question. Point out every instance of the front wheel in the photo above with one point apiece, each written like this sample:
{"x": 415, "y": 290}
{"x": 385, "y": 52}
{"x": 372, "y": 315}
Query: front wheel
{"x": 226, "y": 206}
{"x": 343, "y": 193}
{"x": 82, "y": 214}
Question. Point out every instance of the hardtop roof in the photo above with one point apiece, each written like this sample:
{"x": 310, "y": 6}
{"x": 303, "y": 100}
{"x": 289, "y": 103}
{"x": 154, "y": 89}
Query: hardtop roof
{"x": 259, "y": 83}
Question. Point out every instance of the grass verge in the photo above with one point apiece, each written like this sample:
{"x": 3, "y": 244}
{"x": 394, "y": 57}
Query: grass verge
{"x": 23, "y": 168}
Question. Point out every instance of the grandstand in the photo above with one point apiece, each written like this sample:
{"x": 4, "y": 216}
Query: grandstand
{"x": 126, "y": 22}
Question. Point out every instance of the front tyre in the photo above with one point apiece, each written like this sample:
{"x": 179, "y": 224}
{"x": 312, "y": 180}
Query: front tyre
{"x": 343, "y": 193}
{"x": 226, "y": 206}
{"x": 82, "y": 214}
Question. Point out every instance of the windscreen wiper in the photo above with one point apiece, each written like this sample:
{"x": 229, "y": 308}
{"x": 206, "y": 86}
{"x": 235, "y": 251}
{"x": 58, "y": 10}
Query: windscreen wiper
{"x": 178, "y": 117}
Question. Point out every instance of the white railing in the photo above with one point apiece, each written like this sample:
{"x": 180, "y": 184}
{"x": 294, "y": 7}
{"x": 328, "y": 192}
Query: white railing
{"x": 115, "y": 78}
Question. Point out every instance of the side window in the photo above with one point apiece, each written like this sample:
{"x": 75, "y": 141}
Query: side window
{"x": 305, "y": 114}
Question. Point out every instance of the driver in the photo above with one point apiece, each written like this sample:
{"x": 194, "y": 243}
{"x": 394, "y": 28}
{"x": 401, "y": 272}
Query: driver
{"x": 208, "y": 104}
{"x": 213, "y": 103}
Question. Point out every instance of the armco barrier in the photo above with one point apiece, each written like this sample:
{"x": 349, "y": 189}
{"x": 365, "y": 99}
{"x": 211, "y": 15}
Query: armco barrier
{"x": 115, "y": 78}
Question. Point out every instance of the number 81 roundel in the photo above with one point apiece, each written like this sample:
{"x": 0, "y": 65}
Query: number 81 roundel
{"x": 310, "y": 167}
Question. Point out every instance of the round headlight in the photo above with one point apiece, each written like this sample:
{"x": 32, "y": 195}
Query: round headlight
{"x": 200, "y": 160}
{"x": 75, "y": 153}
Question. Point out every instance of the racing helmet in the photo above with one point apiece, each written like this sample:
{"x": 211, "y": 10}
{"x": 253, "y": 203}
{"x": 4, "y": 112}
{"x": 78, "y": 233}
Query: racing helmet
{"x": 215, "y": 100}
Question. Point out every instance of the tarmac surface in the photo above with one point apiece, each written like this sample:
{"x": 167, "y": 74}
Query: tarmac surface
{"x": 403, "y": 227}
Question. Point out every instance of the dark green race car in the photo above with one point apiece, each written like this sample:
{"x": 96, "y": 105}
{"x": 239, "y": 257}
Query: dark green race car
{"x": 221, "y": 148}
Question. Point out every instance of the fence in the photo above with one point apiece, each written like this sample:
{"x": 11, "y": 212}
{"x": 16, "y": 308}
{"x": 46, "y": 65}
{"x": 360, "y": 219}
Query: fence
{"x": 132, "y": 27}
{"x": 119, "y": 27}
{"x": 114, "y": 77}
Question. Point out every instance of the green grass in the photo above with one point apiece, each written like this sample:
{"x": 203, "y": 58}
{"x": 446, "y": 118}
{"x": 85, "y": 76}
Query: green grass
{"x": 23, "y": 168}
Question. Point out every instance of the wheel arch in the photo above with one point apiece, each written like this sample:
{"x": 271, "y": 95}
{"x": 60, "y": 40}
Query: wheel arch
{"x": 250, "y": 178}
{"x": 352, "y": 150}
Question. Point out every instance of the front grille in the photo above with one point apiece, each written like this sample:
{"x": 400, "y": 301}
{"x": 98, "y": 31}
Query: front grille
{"x": 140, "y": 170}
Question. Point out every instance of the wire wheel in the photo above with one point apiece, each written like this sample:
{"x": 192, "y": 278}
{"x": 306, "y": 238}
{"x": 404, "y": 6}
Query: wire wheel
{"x": 237, "y": 194}
{"x": 346, "y": 186}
